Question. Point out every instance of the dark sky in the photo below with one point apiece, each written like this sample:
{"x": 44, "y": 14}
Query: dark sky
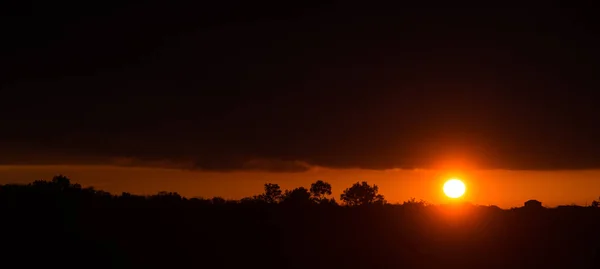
{"x": 261, "y": 85}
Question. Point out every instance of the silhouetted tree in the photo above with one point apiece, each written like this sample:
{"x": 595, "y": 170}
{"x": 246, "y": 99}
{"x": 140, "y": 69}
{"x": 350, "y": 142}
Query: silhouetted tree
{"x": 90, "y": 189}
{"x": 165, "y": 198}
{"x": 320, "y": 190}
{"x": 39, "y": 182}
{"x": 62, "y": 182}
{"x": 532, "y": 204}
{"x": 297, "y": 196}
{"x": 251, "y": 200}
{"x": 272, "y": 193}
{"x": 596, "y": 203}
{"x": 218, "y": 200}
{"x": 104, "y": 194}
{"x": 361, "y": 193}
{"x": 126, "y": 196}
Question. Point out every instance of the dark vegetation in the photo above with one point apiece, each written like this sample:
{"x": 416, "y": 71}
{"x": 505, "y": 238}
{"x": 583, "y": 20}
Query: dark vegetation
{"x": 57, "y": 224}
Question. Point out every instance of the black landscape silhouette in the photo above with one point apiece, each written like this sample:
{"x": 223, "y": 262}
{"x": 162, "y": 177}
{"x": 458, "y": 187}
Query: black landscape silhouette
{"x": 59, "y": 224}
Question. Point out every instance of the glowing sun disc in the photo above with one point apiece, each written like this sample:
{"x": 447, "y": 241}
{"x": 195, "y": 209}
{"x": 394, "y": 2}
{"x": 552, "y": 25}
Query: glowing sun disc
{"x": 454, "y": 188}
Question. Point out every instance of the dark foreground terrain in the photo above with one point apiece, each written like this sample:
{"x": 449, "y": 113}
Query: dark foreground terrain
{"x": 61, "y": 225}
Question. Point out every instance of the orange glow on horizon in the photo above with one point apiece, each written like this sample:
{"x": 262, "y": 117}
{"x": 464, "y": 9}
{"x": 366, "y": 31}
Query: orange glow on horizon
{"x": 504, "y": 188}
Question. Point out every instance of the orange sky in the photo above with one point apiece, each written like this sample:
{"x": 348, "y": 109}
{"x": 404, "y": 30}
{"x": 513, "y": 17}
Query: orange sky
{"x": 486, "y": 187}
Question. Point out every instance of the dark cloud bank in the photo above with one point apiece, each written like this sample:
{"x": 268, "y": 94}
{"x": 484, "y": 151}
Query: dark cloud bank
{"x": 335, "y": 85}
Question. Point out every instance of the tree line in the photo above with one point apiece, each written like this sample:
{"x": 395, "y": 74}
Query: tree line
{"x": 65, "y": 225}
{"x": 319, "y": 193}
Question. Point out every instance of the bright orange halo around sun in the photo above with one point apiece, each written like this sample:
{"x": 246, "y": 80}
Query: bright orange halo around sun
{"x": 454, "y": 188}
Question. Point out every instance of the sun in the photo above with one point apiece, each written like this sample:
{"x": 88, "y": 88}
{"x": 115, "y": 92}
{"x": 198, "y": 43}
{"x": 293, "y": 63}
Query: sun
{"x": 454, "y": 188}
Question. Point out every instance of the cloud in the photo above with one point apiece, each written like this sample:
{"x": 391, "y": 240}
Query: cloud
{"x": 268, "y": 165}
{"x": 137, "y": 162}
{"x": 276, "y": 165}
{"x": 242, "y": 98}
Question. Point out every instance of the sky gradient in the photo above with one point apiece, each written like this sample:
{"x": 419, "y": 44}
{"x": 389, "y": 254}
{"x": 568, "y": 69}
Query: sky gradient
{"x": 205, "y": 95}
{"x": 503, "y": 188}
